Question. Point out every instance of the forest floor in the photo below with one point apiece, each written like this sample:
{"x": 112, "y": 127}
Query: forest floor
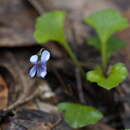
{"x": 33, "y": 101}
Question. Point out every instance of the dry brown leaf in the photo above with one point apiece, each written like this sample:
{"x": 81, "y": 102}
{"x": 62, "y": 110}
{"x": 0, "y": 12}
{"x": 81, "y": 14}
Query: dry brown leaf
{"x": 3, "y": 93}
{"x": 99, "y": 126}
{"x": 41, "y": 126}
{"x": 17, "y": 20}
{"x": 36, "y": 120}
{"x": 30, "y": 105}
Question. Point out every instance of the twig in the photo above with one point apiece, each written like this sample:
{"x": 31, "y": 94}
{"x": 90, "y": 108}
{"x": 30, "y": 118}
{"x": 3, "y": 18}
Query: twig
{"x": 67, "y": 89}
{"x": 53, "y": 125}
{"x": 41, "y": 5}
{"x": 23, "y": 101}
{"x": 24, "y": 83}
{"x": 79, "y": 86}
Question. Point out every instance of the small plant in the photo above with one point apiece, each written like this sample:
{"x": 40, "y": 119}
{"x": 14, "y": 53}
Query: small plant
{"x": 50, "y": 27}
{"x": 106, "y": 23}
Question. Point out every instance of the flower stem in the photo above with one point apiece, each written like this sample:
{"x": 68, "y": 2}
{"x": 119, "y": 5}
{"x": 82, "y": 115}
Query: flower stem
{"x": 104, "y": 56}
{"x": 73, "y": 57}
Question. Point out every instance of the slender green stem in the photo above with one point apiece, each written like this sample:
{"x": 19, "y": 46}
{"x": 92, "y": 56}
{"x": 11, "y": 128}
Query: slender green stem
{"x": 73, "y": 57}
{"x": 104, "y": 56}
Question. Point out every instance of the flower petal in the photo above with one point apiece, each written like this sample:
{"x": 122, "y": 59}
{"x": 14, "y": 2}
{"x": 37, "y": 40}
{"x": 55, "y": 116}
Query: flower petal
{"x": 34, "y": 59}
{"x": 33, "y": 71}
{"x": 42, "y": 71}
{"x": 43, "y": 74}
{"x": 45, "y": 56}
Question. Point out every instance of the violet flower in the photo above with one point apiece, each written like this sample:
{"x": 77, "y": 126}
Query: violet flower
{"x": 39, "y": 61}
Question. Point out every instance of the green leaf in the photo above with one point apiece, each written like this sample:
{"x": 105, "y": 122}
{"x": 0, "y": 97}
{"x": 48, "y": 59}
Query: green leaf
{"x": 50, "y": 27}
{"x": 95, "y": 42}
{"x": 107, "y": 22}
{"x": 77, "y": 115}
{"x": 113, "y": 44}
{"x": 116, "y": 75}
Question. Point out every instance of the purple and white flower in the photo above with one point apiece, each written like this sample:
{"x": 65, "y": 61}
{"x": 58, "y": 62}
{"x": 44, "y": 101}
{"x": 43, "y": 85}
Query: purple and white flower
{"x": 39, "y": 62}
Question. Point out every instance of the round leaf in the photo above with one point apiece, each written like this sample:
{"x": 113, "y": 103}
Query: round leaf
{"x": 107, "y": 22}
{"x": 77, "y": 115}
{"x": 50, "y": 27}
{"x": 117, "y": 74}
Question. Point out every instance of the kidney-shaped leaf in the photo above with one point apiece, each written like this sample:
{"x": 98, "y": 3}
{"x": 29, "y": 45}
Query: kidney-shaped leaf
{"x": 77, "y": 115}
{"x": 50, "y": 27}
{"x": 107, "y": 22}
{"x": 116, "y": 75}
{"x": 113, "y": 44}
